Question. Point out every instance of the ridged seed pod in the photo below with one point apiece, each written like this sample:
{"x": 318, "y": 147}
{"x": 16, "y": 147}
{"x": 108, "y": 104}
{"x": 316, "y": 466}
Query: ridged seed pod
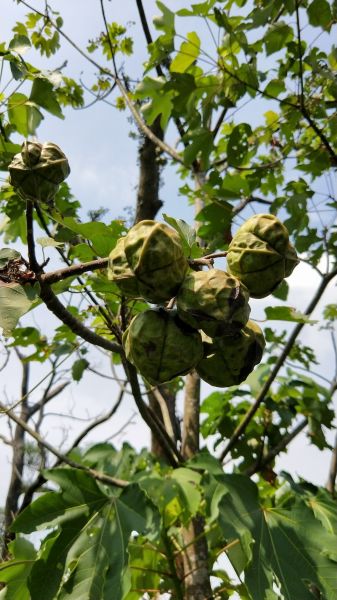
{"x": 161, "y": 346}
{"x": 213, "y": 301}
{"x": 229, "y": 360}
{"x": 121, "y": 273}
{"x": 155, "y": 254}
{"x": 37, "y": 171}
{"x": 260, "y": 254}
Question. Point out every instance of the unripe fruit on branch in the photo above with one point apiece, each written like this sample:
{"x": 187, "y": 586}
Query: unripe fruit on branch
{"x": 213, "y": 301}
{"x": 229, "y": 360}
{"x": 161, "y": 346}
{"x": 260, "y": 254}
{"x": 121, "y": 273}
{"x": 37, "y": 171}
{"x": 154, "y": 255}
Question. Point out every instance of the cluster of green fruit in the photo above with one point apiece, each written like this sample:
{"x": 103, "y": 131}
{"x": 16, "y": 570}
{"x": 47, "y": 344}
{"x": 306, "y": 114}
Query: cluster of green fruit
{"x": 209, "y": 329}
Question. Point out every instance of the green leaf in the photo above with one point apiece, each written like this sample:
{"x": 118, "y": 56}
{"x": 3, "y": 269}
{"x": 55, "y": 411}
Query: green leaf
{"x": 319, "y": 13}
{"x": 177, "y": 495}
{"x": 277, "y": 36}
{"x": 281, "y": 291}
{"x": 14, "y": 573}
{"x": 6, "y": 255}
{"x": 187, "y": 55}
{"x": 90, "y": 549}
{"x": 48, "y": 242}
{"x": 43, "y": 95}
{"x": 15, "y": 301}
{"x": 239, "y": 144}
{"x": 78, "y": 368}
{"x": 103, "y": 237}
{"x": 23, "y": 115}
{"x": 266, "y": 542}
{"x": 20, "y": 44}
{"x": 187, "y": 235}
{"x": 201, "y": 142}
{"x": 287, "y": 313}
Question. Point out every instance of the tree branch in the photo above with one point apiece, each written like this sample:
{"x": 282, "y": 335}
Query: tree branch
{"x": 265, "y": 388}
{"x": 57, "y": 308}
{"x": 74, "y": 270}
{"x": 277, "y": 449}
{"x": 62, "y": 457}
{"x": 157, "y": 428}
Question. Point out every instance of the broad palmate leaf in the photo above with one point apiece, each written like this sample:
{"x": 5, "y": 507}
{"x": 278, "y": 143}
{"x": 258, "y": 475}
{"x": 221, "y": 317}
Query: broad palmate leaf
{"x": 87, "y": 555}
{"x": 289, "y": 547}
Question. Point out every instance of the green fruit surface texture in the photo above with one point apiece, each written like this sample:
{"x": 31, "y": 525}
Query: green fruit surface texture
{"x": 161, "y": 346}
{"x": 229, "y": 360}
{"x": 120, "y": 272}
{"x": 37, "y": 171}
{"x": 213, "y": 301}
{"x": 260, "y": 254}
{"x": 155, "y": 254}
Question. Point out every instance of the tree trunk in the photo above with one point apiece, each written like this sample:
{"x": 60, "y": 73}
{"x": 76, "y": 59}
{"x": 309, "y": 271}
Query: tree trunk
{"x": 15, "y": 486}
{"x": 148, "y": 202}
{"x": 195, "y": 556}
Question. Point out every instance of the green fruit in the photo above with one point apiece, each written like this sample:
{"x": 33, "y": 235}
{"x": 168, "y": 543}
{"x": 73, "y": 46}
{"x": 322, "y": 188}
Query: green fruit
{"x": 155, "y": 254}
{"x": 260, "y": 254}
{"x": 119, "y": 271}
{"x": 213, "y": 301}
{"x": 161, "y": 346}
{"x": 37, "y": 171}
{"x": 229, "y": 360}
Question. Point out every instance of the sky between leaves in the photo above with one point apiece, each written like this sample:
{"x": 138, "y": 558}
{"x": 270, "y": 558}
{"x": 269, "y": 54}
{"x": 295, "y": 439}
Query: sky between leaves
{"x": 103, "y": 160}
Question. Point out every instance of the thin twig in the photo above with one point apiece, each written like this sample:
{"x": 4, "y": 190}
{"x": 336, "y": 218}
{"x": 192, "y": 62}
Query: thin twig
{"x": 136, "y": 115}
{"x": 277, "y": 449}
{"x": 265, "y": 388}
{"x": 101, "y": 419}
{"x": 62, "y": 457}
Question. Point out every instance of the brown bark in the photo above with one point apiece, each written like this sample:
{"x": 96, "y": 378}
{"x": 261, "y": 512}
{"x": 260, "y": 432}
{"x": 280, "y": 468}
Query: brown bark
{"x": 15, "y": 486}
{"x": 195, "y": 556}
{"x": 148, "y": 202}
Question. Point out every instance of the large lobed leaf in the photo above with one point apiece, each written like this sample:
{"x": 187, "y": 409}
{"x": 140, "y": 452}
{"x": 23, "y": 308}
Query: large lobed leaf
{"x": 287, "y": 546}
{"x": 86, "y": 556}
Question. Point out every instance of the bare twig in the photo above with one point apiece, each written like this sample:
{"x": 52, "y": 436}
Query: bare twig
{"x": 101, "y": 419}
{"x": 277, "y": 449}
{"x": 62, "y": 457}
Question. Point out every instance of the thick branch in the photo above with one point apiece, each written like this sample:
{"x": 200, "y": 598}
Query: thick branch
{"x": 74, "y": 270}
{"x": 265, "y": 388}
{"x": 57, "y": 308}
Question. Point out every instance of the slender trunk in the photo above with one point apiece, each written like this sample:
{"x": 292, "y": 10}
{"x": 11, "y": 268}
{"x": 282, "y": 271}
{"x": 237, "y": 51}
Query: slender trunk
{"x": 195, "y": 555}
{"x": 15, "y": 486}
{"x": 331, "y": 484}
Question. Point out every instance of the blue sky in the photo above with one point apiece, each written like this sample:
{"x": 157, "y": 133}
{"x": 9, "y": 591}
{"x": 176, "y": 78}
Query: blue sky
{"x": 104, "y": 172}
